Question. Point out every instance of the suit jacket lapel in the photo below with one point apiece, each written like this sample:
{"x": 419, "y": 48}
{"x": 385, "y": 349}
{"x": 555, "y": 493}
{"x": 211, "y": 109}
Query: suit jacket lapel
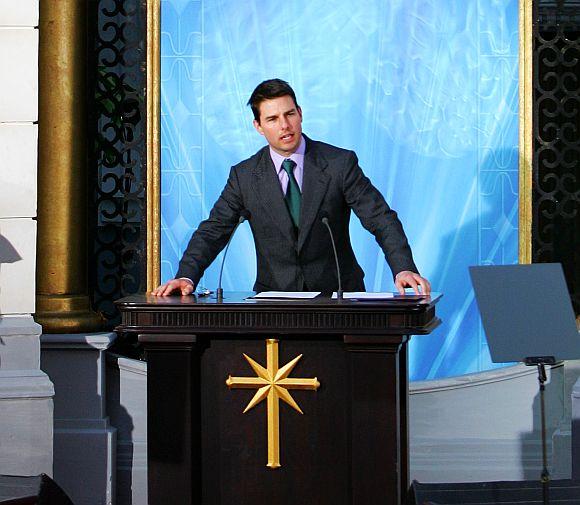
{"x": 270, "y": 193}
{"x": 314, "y": 186}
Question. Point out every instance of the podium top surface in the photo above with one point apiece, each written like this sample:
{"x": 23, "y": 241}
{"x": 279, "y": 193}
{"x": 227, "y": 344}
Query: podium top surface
{"x": 238, "y": 314}
{"x": 243, "y": 299}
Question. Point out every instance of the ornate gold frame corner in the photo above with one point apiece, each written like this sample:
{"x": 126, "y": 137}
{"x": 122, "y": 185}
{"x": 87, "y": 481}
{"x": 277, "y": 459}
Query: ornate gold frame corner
{"x": 526, "y": 136}
{"x": 153, "y": 95}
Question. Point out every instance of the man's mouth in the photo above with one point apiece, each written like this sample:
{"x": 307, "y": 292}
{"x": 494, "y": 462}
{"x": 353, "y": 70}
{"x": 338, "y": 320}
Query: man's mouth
{"x": 287, "y": 137}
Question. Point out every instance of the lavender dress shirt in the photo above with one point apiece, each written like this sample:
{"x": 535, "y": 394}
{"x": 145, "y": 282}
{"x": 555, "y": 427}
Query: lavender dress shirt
{"x": 297, "y": 157}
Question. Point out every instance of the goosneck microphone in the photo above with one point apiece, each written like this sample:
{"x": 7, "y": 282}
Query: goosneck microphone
{"x": 324, "y": 219}
{"x": 244, "y": 215}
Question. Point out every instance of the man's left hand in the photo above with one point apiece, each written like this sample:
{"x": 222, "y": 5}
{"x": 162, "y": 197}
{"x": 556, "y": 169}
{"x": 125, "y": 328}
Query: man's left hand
{"x": 413, "y": 280}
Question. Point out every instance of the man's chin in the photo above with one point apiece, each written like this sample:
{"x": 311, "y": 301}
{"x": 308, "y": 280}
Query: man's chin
{"x": 287, "y": 148}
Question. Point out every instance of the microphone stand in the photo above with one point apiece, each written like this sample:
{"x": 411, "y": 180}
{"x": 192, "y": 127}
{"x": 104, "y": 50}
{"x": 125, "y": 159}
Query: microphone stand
{"x": 339, "y": 292}
{"x": 219, "y": 291}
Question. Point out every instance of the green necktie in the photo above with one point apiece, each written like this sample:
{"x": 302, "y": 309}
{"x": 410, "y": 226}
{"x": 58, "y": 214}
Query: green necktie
{"x": 293, "y": 196}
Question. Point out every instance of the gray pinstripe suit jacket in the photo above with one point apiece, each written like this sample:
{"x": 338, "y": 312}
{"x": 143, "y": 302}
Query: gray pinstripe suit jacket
{"x": 289, "y": 261}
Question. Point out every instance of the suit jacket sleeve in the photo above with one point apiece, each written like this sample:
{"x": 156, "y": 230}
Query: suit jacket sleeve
{"x": 212, "y": 234}
{"x": 377, "y": 217}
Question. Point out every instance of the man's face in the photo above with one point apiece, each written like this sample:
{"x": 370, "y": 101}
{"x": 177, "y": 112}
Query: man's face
{"x": 281, "y": 124}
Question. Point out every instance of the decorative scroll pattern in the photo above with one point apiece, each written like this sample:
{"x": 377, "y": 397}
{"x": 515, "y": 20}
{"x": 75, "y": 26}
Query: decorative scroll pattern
{"x": 556, "y": 167}
{"x": 117, "y": 161}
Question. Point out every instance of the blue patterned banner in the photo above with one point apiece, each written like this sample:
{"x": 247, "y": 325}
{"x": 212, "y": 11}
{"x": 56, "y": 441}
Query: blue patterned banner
{"x": 426, "y": 93}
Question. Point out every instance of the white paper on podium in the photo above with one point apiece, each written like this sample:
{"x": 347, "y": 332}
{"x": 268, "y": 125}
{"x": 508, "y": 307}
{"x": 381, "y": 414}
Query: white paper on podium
{"x": 364, "y": 295}
{"x": 291, "y": 295}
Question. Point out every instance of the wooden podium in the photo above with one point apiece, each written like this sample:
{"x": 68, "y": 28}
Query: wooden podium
{"x": 350, "y": 445}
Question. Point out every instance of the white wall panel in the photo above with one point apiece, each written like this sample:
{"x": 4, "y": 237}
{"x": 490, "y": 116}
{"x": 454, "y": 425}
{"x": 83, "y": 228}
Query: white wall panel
{"x": 18, "y": 167}
{"x": 18, "y": 13}
{"x": 17, "y": 266}
{"x": 19, "y": 85}
{"x": 487, "y": 426}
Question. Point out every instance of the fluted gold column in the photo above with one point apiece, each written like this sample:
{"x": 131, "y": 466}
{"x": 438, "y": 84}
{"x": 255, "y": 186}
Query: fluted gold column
{"x": 62, "y": 302}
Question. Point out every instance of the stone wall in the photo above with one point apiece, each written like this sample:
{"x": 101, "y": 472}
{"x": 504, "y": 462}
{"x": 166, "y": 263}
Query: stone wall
{"x": 26, "y": 406}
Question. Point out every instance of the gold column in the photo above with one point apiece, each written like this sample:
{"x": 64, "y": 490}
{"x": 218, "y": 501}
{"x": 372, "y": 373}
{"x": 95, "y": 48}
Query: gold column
{"x": 62, "y": 302}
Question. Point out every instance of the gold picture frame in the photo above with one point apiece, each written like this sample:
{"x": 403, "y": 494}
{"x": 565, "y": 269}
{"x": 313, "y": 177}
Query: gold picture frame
{"x": 153, "y": 93}
{"x": 153, "y": 96}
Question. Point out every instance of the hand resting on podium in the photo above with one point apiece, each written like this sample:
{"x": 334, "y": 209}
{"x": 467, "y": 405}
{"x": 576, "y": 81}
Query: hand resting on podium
{"x": 413, "y": 280}
{"x": 183, "y": 286}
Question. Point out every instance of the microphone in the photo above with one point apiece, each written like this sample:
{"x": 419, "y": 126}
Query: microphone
{"x": 244, "y": 215}
{"x": 325, "y": 221}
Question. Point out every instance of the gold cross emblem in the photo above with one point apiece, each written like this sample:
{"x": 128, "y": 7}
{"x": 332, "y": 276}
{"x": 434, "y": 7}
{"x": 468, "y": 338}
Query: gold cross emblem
{"x": 272, "y": 383}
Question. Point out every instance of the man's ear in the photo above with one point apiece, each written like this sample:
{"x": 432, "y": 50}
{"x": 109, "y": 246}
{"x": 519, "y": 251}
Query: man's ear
{"x": 299, "y": 109}
{"x": 258, "y": 127}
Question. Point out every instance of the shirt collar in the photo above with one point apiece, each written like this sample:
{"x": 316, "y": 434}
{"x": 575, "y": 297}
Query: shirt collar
{"x": 297, "y": 156}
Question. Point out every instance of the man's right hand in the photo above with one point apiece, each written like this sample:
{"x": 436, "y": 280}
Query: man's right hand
{"x": 184, "y": 286}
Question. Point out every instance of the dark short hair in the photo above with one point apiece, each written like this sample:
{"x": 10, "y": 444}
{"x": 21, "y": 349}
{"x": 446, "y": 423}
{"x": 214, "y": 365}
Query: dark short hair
{"x": 272, "y": 88}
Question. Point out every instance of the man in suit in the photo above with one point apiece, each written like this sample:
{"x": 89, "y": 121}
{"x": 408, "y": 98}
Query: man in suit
{"x": 288, "y": 187}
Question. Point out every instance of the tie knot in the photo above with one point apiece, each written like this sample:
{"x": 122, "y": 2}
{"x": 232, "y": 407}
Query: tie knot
{"x": 288, "y": 166}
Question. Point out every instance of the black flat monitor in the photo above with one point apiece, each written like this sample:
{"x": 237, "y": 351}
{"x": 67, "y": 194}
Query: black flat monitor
{"x": 526, "y": 312}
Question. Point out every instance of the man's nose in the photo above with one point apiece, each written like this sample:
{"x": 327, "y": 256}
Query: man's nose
{"x": 284, "y": 123}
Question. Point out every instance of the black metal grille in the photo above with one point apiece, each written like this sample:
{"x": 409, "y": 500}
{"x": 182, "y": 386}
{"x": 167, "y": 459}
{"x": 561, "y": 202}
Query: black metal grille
{"x": 556, "y": 123}
{"x": 117, "y": 157}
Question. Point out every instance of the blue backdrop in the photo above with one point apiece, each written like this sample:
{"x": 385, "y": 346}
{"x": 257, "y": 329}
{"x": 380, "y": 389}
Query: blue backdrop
{"x": 424, "y": 91}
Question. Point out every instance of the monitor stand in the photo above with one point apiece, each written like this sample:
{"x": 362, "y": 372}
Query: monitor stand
{"x": 540, "y": 362}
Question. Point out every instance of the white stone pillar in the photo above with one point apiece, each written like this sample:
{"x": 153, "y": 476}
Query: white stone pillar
{"x": 26, "y": 393}
{"x": 84, "y": 440}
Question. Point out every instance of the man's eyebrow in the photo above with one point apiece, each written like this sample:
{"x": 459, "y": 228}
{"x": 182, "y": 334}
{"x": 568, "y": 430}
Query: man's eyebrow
{"x": 274, "y": 116}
